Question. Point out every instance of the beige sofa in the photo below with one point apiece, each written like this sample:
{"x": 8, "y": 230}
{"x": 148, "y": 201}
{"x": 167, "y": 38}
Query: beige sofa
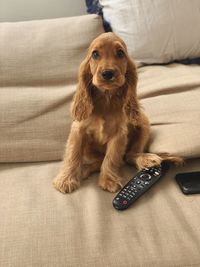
{"x": 41, "y": 227}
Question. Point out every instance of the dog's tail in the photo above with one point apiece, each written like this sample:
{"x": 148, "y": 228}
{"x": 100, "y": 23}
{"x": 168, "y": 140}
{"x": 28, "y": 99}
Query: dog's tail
{"x": 176, "y": 160}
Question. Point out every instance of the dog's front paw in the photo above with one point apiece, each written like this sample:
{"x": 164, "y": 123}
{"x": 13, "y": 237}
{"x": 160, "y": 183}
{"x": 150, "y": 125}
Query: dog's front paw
{"x": 109, "y": 184}
{"x": 66, "y": 184}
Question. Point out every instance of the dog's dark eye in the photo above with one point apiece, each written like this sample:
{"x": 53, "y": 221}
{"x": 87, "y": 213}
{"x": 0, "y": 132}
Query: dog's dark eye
{"x": 120, "y": 53}
{"x": 95, "y": 54}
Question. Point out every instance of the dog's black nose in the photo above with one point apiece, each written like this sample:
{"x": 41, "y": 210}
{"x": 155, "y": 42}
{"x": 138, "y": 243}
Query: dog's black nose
{"x": 107, "y": 74}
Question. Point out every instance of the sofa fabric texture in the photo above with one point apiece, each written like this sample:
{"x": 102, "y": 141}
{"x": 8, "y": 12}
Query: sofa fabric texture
{"x": 41, "y": 227}
{"x": 170, "y": 95}
{"x": 39, "y": 63}
{"x": 39, "y": 70}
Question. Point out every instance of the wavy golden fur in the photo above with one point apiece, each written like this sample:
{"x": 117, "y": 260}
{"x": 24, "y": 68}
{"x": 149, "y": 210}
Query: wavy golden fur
{"x": 109, "y": 125}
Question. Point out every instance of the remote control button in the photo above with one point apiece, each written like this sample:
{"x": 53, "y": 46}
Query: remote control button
{"x": 125, "y": 202}
{"x": 146, "y": 182}
{"x": 145, "y": 176}
{"x": 134, "y": 186}
{"x": 138, "y": 181}
{"x": 156, "y": 173}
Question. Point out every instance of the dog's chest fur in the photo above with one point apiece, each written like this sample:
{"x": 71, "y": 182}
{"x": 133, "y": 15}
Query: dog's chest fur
{"x": 101, "y": 129}
{"x": 107, "y": 118}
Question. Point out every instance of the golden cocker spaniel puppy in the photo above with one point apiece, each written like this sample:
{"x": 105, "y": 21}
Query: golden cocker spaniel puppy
{"x": 109, "y": 125}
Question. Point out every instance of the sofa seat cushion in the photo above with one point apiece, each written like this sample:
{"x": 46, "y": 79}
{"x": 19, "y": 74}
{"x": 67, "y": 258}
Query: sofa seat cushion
{"x": 41, "y": 227}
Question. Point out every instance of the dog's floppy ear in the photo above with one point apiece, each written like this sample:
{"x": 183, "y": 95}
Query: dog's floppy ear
{"x": 131, "y": 105}
{"x": 82, "y": 105}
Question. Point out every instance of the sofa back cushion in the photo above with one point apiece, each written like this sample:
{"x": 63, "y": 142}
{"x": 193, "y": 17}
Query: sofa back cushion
{"x": 39, "y": 63}
{"x": 170, "y": 94}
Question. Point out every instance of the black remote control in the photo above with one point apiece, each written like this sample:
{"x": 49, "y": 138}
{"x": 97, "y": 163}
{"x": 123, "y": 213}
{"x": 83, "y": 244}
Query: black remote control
{"x": 138, "y": 185}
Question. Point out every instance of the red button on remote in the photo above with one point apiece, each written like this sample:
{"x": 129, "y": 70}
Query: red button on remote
{"x": 125, "y": 202}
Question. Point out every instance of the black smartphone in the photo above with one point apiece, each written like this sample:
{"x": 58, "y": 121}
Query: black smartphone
{"x": 189, "y": 182}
